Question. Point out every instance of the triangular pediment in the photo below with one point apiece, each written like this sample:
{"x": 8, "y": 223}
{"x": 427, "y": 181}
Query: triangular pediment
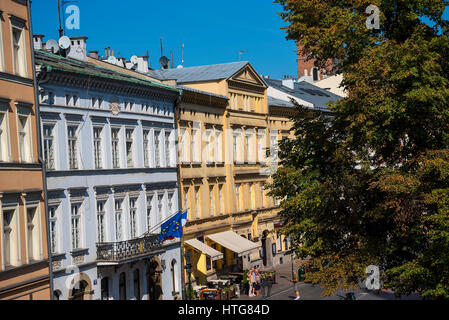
{"x": 248, "y": 75}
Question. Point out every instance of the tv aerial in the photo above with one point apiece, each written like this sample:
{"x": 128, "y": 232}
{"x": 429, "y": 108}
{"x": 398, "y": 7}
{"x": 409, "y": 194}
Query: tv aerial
{"x": 164, "y": 61}
{"x": 52, "y": 46}
{"x": 64, "y": 43}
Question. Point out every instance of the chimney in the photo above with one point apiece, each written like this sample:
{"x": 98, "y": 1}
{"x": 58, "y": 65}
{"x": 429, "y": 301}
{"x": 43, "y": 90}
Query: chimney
{"x": 37, "y": 41}
{"x": 78, "y": 49}
{"x": 93, "y": 54}
{"x": 105, "y": 53}
{"x": 289, "y": 83}
{"x": 109, "y": 51}
{"x": 142, "y": 64}
{"x": 113, "y": 52}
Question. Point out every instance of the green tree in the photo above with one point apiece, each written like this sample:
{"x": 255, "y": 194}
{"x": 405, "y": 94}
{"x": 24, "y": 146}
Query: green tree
{"x": 370, "y": 185}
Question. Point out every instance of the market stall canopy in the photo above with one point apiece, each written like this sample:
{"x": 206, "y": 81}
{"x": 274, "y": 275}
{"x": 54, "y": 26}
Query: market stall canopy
{"x": 204, "y": 248}
{"x": 234, "y": 242}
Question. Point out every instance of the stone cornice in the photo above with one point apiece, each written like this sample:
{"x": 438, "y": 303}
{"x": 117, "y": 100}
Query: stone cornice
{"x": 116, "y": 87}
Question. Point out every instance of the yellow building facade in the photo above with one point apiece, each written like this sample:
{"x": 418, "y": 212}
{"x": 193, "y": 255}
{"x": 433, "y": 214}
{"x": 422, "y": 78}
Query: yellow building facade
{"x": 223, "y": 139}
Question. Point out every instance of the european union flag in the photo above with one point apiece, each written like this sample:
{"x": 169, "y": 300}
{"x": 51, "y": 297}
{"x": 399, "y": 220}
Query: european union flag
{"x": 172, "y": 228}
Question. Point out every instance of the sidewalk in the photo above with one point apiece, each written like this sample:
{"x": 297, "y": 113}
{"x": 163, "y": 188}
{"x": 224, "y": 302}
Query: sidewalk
{"x": 283, "y": 282}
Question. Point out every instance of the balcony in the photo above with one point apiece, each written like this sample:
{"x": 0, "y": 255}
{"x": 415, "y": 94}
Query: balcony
{"x": 116, "y": 253}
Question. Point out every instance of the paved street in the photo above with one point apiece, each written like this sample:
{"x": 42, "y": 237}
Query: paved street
{"x": 283, "y": 290}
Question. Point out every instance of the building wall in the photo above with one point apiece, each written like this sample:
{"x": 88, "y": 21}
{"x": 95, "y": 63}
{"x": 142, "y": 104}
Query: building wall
{"x": 247, "y": 109}
{"x": 89, "y": 184}
{"x": 21, "y": 179}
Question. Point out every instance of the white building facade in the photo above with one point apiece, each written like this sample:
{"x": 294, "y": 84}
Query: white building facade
{"x": 110, "y": 149}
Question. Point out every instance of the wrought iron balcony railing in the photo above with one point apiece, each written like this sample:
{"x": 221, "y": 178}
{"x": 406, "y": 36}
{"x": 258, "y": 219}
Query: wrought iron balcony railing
{"x": 117, "y": 252}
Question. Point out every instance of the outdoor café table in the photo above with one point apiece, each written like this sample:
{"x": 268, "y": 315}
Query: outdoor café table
{"x": 197, "y": 289}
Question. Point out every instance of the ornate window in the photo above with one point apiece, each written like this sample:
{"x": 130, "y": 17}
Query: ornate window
{"x": 133, "y": 217}
{"x": 101, "y": 221}
{"x": 160, "y": 205}
{"x": 167, "y": 149}
{"x": 186, "y": 198}
{"x": 49, "y": 152}
{"x": 220, "y": 198}
{"x": 211, "y": 201}
{"x": 4, "y": 135}
{"x": 170, "y": 203}
{"x": 197, "y": 202}
{"x": 237, "y": 196}
{"x": 150, "y": 199}
{"x": 146, "y": 148}
{"x": 118, "y": 219}
{"x": 129, "y": 148}
{"x": 19, "y": 53}
{"x": 251, "y": 200}
{"x": 115, "y": 136}
{"x": 157, "y": 148}
{"x": 9, "y": 231}
{"x": 24, "y": 137}
{"x": 262, "y": 196}
{"x": 53, "y": 221}
{"x": 76, "y": 225}
{"x": 73, "y": 146}
{"x": 33, "y": 234}
{"x": 98, "y": 147}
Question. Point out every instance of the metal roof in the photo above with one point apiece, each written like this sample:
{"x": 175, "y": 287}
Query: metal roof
{"x": 200, "y": 73}
{"x": 57, "y": 62}
{"x": 305, "y": 91}
{"x": 184, "y": 88}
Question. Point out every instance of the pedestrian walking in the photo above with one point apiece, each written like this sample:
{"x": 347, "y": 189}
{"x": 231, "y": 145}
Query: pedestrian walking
{"x": 252, "y": 279}
{"x": 295, "y": 281}
{"x": 257, "y": 282}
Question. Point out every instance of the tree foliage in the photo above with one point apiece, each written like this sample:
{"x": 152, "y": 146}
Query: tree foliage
{"x": 370, "y": 185}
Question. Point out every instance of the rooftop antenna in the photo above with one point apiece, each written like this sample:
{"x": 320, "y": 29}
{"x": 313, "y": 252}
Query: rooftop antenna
{"x": 182, "y": 54}
{"x": 61, "y": 32}
{"x": 162, "y": 48}
{"x": 241, "y": 52}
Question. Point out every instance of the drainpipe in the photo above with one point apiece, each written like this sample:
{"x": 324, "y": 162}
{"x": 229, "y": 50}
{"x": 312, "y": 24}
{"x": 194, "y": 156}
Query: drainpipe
{"x": 178, "y": 174}
{"x": 39, "y": 150}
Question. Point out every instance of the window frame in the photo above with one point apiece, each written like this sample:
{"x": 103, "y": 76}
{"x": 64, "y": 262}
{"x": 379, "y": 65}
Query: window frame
{"x": 78, "y": 218}
{"x": 5, "y": 143}
{"x": 15, "y": 23}
{"x": 25, "y": 112}
{"x": 116, "y": 161}
{"x": 45, "y": 140}
{"x": 77, "y": 146}
{"x": 130, "y": 159}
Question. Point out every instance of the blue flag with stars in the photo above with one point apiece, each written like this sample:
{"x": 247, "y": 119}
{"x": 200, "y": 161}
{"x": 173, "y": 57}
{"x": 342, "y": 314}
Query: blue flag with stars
{"x": 172, "y": 228}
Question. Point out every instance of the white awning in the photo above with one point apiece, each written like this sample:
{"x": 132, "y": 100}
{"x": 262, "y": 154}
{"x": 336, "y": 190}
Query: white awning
{"x": 204, "y": 248}
{"x": 234, "y": 242}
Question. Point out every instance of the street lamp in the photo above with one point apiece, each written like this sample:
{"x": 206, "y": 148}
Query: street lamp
{"x": 188, "y": 268}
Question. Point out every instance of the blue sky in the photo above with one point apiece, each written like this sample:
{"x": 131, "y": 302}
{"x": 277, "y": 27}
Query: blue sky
{"x": 212, "y": 31}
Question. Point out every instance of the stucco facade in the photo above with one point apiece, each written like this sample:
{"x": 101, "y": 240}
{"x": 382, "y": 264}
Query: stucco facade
{"x": 109, "y": 141}
{"x": 24, "y": 265}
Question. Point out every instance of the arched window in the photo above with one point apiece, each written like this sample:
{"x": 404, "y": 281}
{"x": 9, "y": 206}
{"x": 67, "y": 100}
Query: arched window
{"x": 137, "y": 284}
{"x": 174, "y": 276}
{"x": 122, "y": 286}
{"x": 57, "y": 295}
{"x": 105, "y": 289}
